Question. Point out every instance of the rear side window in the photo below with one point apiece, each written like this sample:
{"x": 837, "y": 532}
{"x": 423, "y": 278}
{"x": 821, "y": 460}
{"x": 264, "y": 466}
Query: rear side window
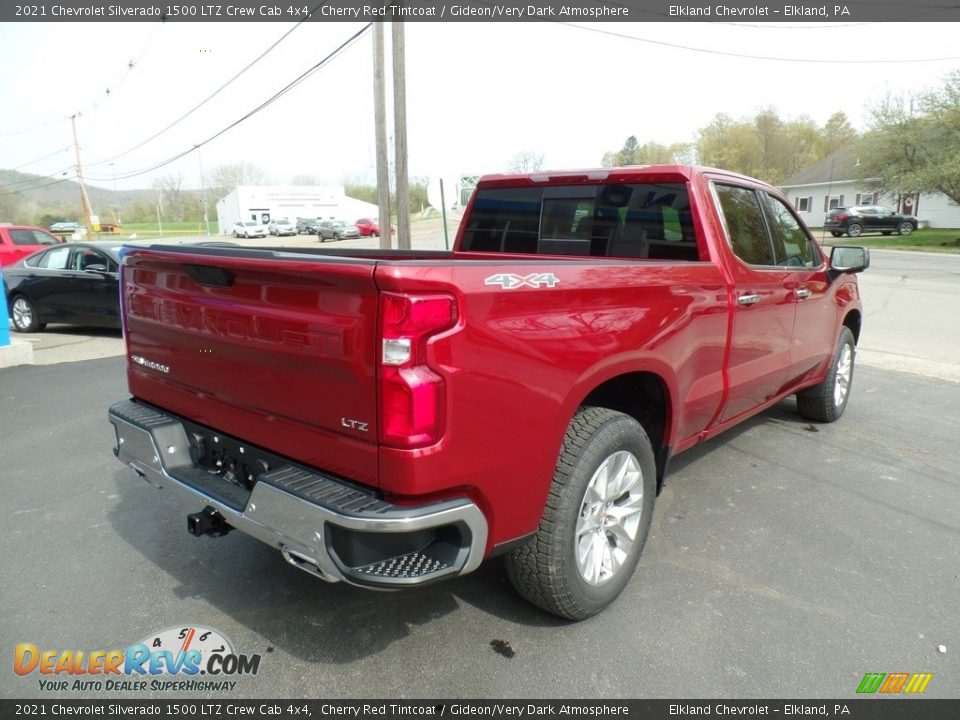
{"x": 792, "y": 246}
{"x": 745, "y": 225}
{"x": 643, "y": 220}
{"x": 55, "y": 259}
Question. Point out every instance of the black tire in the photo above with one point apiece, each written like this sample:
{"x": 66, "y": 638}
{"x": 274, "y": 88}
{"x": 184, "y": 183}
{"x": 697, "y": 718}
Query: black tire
{"x": 24, "y": 315}
{"x": 546, "y": 570}
{"x": 854, "y": 229}
{"x": 827, "y": 401}
{"x": 836, "y": 234}
{"x": 374, "y": 233}
{"x": 905, "y": 228}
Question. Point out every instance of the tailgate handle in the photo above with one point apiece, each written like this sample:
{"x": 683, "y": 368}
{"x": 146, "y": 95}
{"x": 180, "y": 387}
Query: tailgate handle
{"x": 208, "y": 275}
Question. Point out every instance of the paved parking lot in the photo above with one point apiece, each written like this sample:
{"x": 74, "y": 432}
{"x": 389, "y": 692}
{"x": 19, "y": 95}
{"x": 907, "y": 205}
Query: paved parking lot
{"x": 785, "y": 558}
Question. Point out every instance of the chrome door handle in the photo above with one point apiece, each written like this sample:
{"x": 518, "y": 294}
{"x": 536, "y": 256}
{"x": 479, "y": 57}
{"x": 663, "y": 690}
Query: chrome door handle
{"x": 748, "y": 299}
{"x": 802, "y": 293}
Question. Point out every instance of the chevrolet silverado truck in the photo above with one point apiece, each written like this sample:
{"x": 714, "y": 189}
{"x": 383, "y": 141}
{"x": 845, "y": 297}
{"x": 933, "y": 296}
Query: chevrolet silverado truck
{"x": 392, "y": 418}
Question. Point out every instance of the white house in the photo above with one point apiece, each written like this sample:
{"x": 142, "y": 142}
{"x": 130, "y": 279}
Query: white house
{"x": 833, "y": 183}
{"x": 264, "y": 203}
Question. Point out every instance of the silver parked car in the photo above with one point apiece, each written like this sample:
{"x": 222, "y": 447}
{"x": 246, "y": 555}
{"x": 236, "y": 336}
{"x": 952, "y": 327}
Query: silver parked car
{"x": 281, "y": 226}
{"x": 337, "y": 230}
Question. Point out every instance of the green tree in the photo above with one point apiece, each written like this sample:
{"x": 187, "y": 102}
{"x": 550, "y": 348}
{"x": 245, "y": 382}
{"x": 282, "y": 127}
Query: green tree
{"x": 651, "y": 153}
{"x": 837, "y": 133}
{"x": 11, "y": 206}
{"x": 913, "y": 145}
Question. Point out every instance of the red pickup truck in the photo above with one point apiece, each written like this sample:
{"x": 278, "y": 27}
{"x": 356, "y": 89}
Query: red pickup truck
{"x": 18, "y": 241}
{"x": 391, "y": 418}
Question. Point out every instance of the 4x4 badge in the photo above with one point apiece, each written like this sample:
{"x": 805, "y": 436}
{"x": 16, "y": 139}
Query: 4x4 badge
{"x": 510, "y": 281}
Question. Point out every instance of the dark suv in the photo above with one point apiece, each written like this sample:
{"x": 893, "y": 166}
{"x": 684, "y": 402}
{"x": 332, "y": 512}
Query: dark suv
{"x": 860, "y": 219}
{"x": 307, "y": 225}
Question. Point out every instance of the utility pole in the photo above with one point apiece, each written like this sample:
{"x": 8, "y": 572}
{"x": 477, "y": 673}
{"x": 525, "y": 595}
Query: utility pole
{"x": 203, "y": 191}
{"x": 87, "y": 212}
{"x": 400, "y": 135}
{"x": 380, "y": 121}
{"x": 116, "y": 200}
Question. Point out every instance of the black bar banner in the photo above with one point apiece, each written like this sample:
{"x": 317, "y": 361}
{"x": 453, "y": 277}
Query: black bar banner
{"x": 213, "y": 709}
{"x": 476, "y": 10}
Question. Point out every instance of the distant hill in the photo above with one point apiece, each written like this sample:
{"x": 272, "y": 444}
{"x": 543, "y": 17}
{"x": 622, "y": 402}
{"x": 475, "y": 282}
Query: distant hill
{"x": 35, "y": 199}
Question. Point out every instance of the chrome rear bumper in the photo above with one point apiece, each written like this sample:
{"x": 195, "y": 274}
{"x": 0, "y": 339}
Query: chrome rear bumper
{"x": 321, "y": 524}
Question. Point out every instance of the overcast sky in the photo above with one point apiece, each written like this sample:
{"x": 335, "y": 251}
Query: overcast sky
{"x": 477, "y": 94}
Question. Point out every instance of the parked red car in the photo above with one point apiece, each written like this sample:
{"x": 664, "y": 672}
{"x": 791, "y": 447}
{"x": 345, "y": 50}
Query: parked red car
{"x": 368, "y": 227}
{"x": 18, "y": 241}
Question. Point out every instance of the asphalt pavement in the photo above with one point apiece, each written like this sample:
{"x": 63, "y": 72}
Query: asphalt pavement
{"x": 786, "y": 559}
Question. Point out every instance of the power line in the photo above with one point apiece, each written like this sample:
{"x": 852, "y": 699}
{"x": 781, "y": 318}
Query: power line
{"x": 745, "y": 56}
{"x": 31, "y": 162}
{"x": 214, "y": 93}
{"x": 131, "y": 65}
{"x": 266, "y": 103}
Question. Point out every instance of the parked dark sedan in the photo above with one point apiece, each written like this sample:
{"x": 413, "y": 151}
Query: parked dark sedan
{"x": 74, "y": 283}
{"x": 860, "y": 219}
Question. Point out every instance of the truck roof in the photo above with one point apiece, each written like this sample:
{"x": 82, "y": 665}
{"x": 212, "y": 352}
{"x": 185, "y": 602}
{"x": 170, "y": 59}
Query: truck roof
{"x": 606, "y": 174}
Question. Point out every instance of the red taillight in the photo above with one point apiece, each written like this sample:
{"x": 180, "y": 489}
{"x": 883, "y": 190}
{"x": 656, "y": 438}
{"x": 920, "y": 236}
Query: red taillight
{"x": 841, "y": 217}
{"x": 412, "y": 395}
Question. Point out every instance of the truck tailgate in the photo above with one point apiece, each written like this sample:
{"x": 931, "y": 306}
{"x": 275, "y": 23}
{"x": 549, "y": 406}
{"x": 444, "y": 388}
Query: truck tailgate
{"x": 275, "y": 349}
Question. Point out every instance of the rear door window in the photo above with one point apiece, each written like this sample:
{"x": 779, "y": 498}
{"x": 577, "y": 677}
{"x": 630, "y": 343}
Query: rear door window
{"x": 637, "y": 220}
{"x": 792, "y": 247}
{"x": 746, "y": 227}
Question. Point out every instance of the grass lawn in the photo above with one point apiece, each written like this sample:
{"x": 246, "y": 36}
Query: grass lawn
{"x": 929, "y": 240}
{"x": 147, "y": 231}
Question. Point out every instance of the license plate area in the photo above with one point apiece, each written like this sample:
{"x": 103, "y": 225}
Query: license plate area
{"x": 232, "y": 461}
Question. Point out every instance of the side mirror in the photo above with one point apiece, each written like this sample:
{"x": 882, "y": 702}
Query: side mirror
{"x": 848, "y": 259}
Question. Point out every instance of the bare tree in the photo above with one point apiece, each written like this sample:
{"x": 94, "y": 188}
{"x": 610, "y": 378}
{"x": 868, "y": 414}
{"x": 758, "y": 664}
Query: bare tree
{"x": 225, "y": 178}
{"x": 170, "y": 196}
{"x": 304, "y": 179}
{"x": 526, "y": 161}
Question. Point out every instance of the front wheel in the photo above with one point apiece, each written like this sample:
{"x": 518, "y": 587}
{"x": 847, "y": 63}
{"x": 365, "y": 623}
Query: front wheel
{"x": 596, "y": 518}
{"x": 826, "y": 402}
{"x": 24, "y": 315}
{"x": 905, "y": 228}
{"x": 854, "y": 229}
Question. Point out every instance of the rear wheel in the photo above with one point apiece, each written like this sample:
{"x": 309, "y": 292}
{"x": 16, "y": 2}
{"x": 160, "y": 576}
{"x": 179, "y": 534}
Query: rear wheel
{"x": 24, "y": 315}
{"x": 596, "y": 518}
{"x": 905, "y": 228}
{"x": 854, "y": 229}
{"x": 826, "y": 402}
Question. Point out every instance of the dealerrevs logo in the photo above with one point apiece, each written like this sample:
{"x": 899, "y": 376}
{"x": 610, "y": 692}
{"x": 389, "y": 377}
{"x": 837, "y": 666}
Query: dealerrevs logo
{"x": 173, "y": 659}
